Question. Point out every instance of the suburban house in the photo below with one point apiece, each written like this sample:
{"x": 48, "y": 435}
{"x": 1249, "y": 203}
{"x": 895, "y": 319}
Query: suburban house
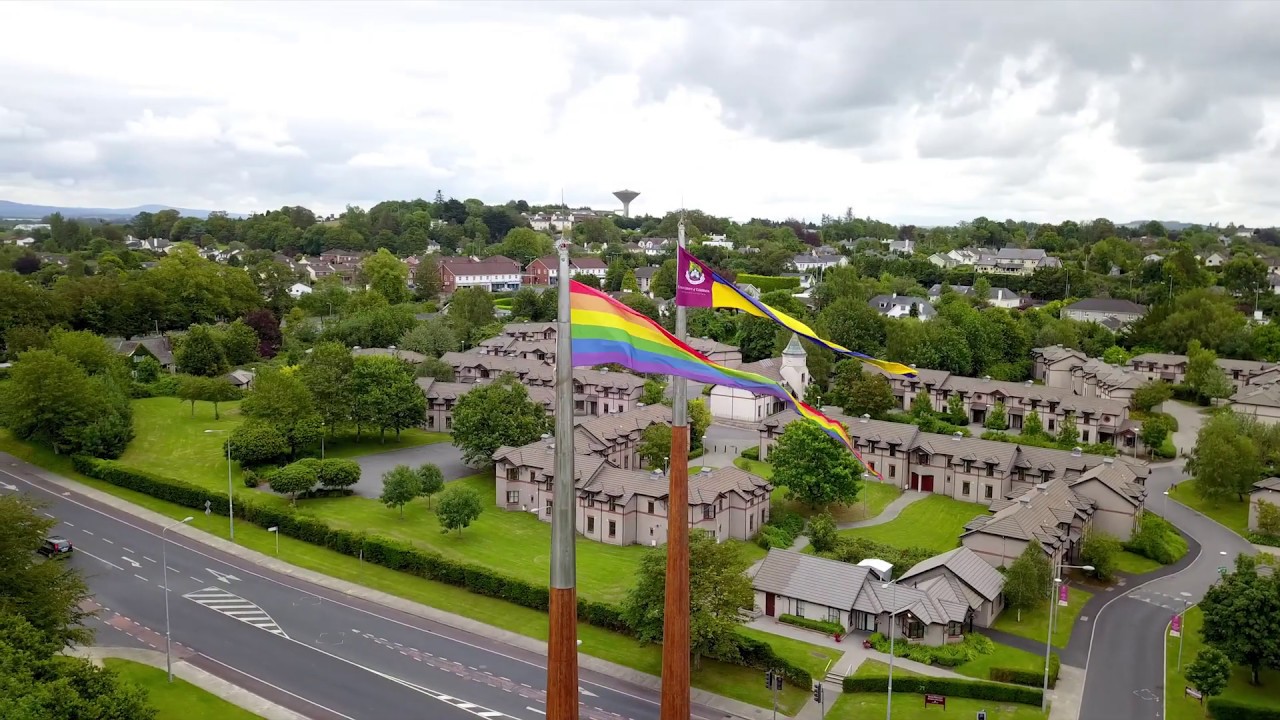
{"x": 1214, "y": 260}
{"x": 1261, "y": 402}
{"x": 1267, "y": 491}
{"x": 297, "y": 290}
{"x": 544, "y": 270}
{"x": 441, "y": 397}
{"x": 156, "y": 346}
{"x": 996, "y": 296}
{"x": 818, "y": 262}
{"x": 1050, "y": 514}
{"x": 856, "y": 598}
{"x": 1113, "y": 313}
{"x": 656, "y": 245}
{"x": 595, "y": 392}
{"x": 1099, "y": 420}
{"x": 619, "y": 501}
{"x": 1015, "y": 261}
{"x": 472, "y": 366}
{"x": 983, "y": 471}
{"x": 242, "y": 379}
{"x": 543, "y": 351}
{"x": 956, "y": 258}
{"x": 644, "y": 277}
{"x": 530, "y": 330}
{"x": 980, "y": 584}
{"x": 735, "y": 404}
{"x": 897, "y": 306}
{"x": 1173, "y": 368}
{"x": 717, "y": 352}
{"x": 1056, "y": 366}
{"x": 495, "y": 274}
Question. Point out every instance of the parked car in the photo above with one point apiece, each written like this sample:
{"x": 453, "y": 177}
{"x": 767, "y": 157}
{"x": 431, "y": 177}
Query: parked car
{"x": 56, "y": 546}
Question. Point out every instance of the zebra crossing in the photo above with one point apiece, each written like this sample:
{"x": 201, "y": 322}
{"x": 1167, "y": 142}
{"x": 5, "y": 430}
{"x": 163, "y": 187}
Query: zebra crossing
{"x": 235, "y": 607}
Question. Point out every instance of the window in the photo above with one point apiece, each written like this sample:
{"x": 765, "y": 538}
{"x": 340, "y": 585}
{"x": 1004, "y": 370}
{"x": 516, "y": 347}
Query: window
{"x": 1084, "y": 435}
{"x": 833, "y": 615}
{"x": 708, "y": 512}
{"x": 991, "y": 470}
{"x": 613, "y": 506}
{"x": 513, "y": 497}
{"x": 893, "y": 471}
{"x": 513, "y": 474}
{"x": 591, "y": 524}
{"x": 964, "y": 489}
{"x": 548, "y": 510}
{"x": 613, "y": 528}
{"x": 751, "y": 522}
{"x": 988, "y": 491}
{"x": 915, "y": 628}
{"x": 650, "y": 507}
{"x": 893, "y": 451}
{"x": 532, "y": 475}
{"x": 800, "y": 608}
{"x": 953, "y": 629}
{"x": 431, "y": 422}
{"x": 968, "y": 466}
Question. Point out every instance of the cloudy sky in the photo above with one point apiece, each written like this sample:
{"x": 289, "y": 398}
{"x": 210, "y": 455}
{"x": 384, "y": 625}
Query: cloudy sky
{"x": 906, "y": 111}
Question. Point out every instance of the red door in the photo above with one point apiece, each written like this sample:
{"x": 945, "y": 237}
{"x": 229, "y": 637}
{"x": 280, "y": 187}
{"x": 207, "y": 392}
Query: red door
{"x": 915, "y": 481}
{"x": 768, "y": 604}
{"x": 926, "y": 483}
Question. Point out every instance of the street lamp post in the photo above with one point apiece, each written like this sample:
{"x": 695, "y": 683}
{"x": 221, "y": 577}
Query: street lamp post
{"x": 276, "y": 529}
{"x": 893, "y": 614}
{"x": 231, "y": 510}
{"x": 1182, "y": 626}
{"x": 164, "y": 563}
{"x": 1053, "y": 614}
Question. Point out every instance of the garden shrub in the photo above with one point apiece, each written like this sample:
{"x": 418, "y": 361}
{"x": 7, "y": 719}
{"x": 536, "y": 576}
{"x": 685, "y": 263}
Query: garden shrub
{"x": 1157, "y": 540}
{"x": 1224, "y": 709}
{"x": 823, "y": 626}
{"x": 751, "y": 453}
{"x": 1031, "y": 678}
{"x": 954, "y": 687}
{"x": 950, "y": 655}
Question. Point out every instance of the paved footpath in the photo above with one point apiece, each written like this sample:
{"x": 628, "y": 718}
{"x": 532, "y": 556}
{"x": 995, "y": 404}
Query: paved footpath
{"x": 890, "y": 511}
{"x": 183, "y": 670}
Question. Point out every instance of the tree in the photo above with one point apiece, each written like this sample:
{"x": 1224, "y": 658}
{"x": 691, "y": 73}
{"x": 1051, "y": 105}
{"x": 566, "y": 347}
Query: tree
{"x": 426, "y": 281}
{"x": 326, "y": 372}
{"x": 629, "y": 282}
{"x": 1032, "y": 426}
{"x": 718, "y": 589}
{"x": 400, "y": 485}
{"x": 239, "y": 343}
{"x": 1102, "y": 551}
{"x": 1027, "y": 581}
{"x": 654, "y": 393}
{"x": 1201, "y": 364}
{"x": 822, "y": 533}
{"x": 587, "y": 279}
{"x": 200, "y": 354}
{"x": 699, "y": 421}
{"x": 1216, "y": 386}
{"x": 337, "y": 473}
{"x": 293, "y": 480}
{"x": 1068, "y": 433}
{"x": 1151, "y": 394}
{"x": 921, "y": 405}
{"x": 997, "y": 419}
{"x": 756, "y": 338}
{"x": 1155, "y": 430}
{"x": 870, "y": 396}
{"x": 955, "y": 410}
{"x": 1225, "y": 461}
{"x": 385, "y": 395}
{"x": 267, "y": 327}
{"x": 814, "y": 468}
{"x": 663, "y": 282}
{"x": 47, "y": 595}
{"x": 1210, "y": 671}
{"x": 1268, "y": 519}
{"x": 493, "y": 415}
{"x": 430, "y": 481}
{"x": 51, "y": 401}
{"x": 1116, "y": 355}
{"x": 458, "y": 506}
{"x": 642, "y": 305}
{"x": 469, "y": 310}
{"x": 436, "y": 368}
{"x": 386, "y": 275}
{"x": 282, "y": 400}
{"x": 1242, "y": 617}
{"x": 432, "y": 338}
{"x": 654, "y": 447}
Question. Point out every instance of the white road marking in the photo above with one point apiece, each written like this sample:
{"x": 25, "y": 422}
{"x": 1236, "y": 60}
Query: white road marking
{"x": 86, "y": 532}
{"x": 193, "y": 577}
{"x": 144, "y": 557}
{"x": 141, "y": 578}
{"x": 64, "y": 522}
{"x": 48, "y": 515}
{"x": 131, "y": 561}
{"x": 540, "y": 712}
{"x": 109, "y": 542}
{"x": 236, "y": 608}
{"x": 95, "y": 557}
{"x": 277, "y": 687}
{"x": 128, "y": 550}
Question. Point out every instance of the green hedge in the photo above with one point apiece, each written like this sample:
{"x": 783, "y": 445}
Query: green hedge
{"x": 401, "y": 556}
{"x": 1032, "y": 678}
{"x": 949, "y": 655}
{"x": 781, "y": 530}
{"x": 825, "y": 626}
{"x": 751, "y": 453}
{"x": 1157, "y": 540}
{"x": 767, "y": 283}
{"x": 1224, "y": 709}
{"x": 974, "y": 689}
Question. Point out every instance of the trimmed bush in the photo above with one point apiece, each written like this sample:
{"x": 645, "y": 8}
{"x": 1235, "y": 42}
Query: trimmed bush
{"x": 1031, "y": 678}
{"x": 1167, "y": 450}
{"x": 1224, "y": 709}
{"x": 751, "y": 453}
{"x": 758, "y": 654}
{"x": 974, "y": 689}
{"x": 1157, "y": 540}
{"x": 951, "y": 655}
{"x": 822, "y": 626}
{"x": 1260, "y": 539}
{"x": 774, "y": 537}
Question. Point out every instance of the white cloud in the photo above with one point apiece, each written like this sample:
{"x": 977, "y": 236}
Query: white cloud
{"x": 768, "y": 109}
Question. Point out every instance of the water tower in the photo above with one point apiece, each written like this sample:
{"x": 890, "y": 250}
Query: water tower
{"x": 626, "y": 196}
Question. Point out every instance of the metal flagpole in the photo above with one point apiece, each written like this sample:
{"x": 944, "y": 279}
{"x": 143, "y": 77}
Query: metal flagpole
{"x": 562, "y": 647}
{"x": 675, "y": 629}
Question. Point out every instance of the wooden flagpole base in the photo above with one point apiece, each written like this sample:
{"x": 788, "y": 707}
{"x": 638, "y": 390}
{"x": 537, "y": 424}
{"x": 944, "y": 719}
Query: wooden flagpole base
{"x": 562, "y": 656}
{"x": 675, "y": 628}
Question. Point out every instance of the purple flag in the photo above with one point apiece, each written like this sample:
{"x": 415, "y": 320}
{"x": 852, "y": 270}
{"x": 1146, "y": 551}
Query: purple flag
{"x": 1062, "y": 594}
{"x": 1175, "y": 626}
{"x": 693, "y": 281}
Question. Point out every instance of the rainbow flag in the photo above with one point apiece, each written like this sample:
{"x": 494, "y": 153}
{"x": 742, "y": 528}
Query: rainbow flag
{"x": 699, "y": 286}
{"x": 606, "y": 331}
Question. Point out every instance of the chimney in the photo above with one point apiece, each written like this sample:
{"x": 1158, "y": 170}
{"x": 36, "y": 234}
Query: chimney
{"x": 545, "y": 436}
{"x": 1075, "y": 451}
{"x": 1026, "y": 501}
{"x": 895, "y": 296}
{"x": 957, "y": 435}
{"x": 1028, "y": 383}
{"x": 705, "y": 470}
{"x": 986, "y": 378}
{"x": 639, "y": 404}
{"x": 1109, "y": 460}
{"x": 865, "y": 417}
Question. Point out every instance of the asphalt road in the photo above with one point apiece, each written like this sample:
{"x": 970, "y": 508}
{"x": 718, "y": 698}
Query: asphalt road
{"x": 1125, "y": 673}
{"x": 443, "y": 455}
{"x": 318, "y": 652}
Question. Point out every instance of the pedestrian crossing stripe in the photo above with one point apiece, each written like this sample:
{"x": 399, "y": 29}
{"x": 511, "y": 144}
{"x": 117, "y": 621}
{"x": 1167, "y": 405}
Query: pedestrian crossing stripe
{"x": 236, "y": 608}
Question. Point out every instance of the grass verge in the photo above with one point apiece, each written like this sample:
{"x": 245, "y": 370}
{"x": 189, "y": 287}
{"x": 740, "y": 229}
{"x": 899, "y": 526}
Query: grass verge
{"x": 860, "y": 706}
{"x": 1134, "y": 564}
{"x": 1232, "y": 513}
{"x": 934, "y": 523}
{"x": 1003, "y": 656}
{"x": 179, "y": 700}
{"x": 1035, "y": 622}
{"x": 1180, "y": 707}
{"x": 872, "y": 499}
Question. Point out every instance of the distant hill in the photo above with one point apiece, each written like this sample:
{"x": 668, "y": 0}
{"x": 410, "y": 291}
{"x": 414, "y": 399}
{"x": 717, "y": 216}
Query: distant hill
{"x": 1171, "y": 225}
{"x": 23, "y": 211}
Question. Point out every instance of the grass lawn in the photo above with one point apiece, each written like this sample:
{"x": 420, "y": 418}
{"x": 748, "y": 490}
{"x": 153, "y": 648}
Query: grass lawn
{"x": 814, "y": 658}
{"x": 179, "y": 700}
{"x": 1127, "y": 562}
{"x": 1005, "y": 657}
{"x": 1179, "y": 706}
{"x": 1035, "y": 622}
{"x": 876, "y": 668}
{"x": 934, "y": 523}
{"x": 1232, "y": 513}
{"x": 906, "y": 706}
{"x": 731, "y": 681}
{"x": 872, "y": 500}
{"x": 170, "y": 441}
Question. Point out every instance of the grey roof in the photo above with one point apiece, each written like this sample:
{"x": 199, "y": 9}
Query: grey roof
{"x": 885, "y": 303}
{"x": 1261, "y": 395}
{"x": 1118, "y": 478}
{"x": 810, "y": 578}
{"x": 707, "y": 346}
{"x": 1107, "y": 305}
{"x": 1038, "y": 514}
{"x": 645, "y": 272}
{"x": 966, "y": 565}
{"x": 1271, "y": 483}
{"x": 408, "y": 356}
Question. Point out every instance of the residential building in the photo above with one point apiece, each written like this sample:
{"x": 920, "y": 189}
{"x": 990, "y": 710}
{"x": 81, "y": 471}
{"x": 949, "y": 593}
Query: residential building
{"x": 996, "y": 296}
{"x": 818, "y": 262}
{"x": 596, "y": 392}
{"x": 644, "y": 278}
{"x": 656, "y": 245}
{"x": 956, "y": 258}
{"x": 1015, "y": 261}
{"x": 297, "y": 290}
{"x": 1264, "y": 491}
{"x": 854, "y": 597}
{"x": 1153, "y": 258}
{"x": 441, "y": 398}
{"x": 1173, "y": 368}
{"x": 982, "y": 471}
{"x": 1060, "y": 367}
{"x": 898, "y": 306}
{"x": 1053, "y": 365}
{"x": 157, "y": 346}
{"x": 980, "y": 584}
{"x": 735, "y": 404}
{"x": 900, "y": 247}
{"x": 1214, "y": 260}
{"x": 543, "y": 351}
{"x": 717, "y": 352}
{"x": 559, "y": 221}
{"x": 471, "y": 366}
{"x": 242, "y": 379}
{"x": 1050, "y": 514}
{"x": 1114, "y": 313}
{"x": 495, "y": 274}
{"x": 530, "y": 330}
{"x": 544, "y": 270}
{"x": 1261, "y": 402}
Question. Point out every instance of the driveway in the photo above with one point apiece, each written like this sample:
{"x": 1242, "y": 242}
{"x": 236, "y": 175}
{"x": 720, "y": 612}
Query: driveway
{"x": 443, "y": 455}
{"x": 1189, "y": 419}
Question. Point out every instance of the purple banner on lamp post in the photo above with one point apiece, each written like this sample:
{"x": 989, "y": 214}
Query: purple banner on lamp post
{"x": 693, "y": 281}
{"x": 1175, "y": 626}
{"x": 1062, "y": 594}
